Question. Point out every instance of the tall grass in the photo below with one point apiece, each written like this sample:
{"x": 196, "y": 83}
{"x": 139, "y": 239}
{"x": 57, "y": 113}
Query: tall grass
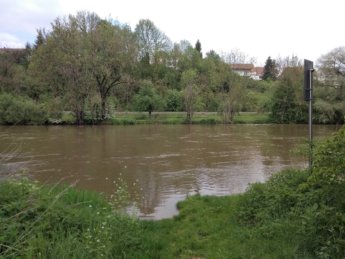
{"x": 55, "y": 222}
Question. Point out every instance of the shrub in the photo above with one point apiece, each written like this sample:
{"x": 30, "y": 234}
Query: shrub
{"x": 311, "y": 203}
{"x": 275, "y": 199}
{"x": 173, "y": 101}
{"x": 20, "y": 110}
{"x": 323, "y": 200}
{"x": 68, "y": 118}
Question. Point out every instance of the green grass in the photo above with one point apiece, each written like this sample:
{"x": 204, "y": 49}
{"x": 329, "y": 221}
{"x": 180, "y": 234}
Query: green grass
{"x": 56, "y": 222}
{"x": 207, "y": 227}
{"x": 252, "y": 118}
{"x": 132, "y": 118}
{"x": 62, "y": 222}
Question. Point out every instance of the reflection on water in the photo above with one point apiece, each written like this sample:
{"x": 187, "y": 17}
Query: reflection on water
{"x": 161, "y": 164}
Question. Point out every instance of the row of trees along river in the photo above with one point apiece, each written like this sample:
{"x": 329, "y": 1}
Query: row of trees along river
{"x": 91, "y": 67}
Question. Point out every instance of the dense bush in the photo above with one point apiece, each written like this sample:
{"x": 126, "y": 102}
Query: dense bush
{"x": 324, "y": 192}
{"x": 311, "y": 203}
{"x": 20, "y": 110}
{"x": 285, "y": 108}
{"x": 173, "y": 101}
{"x": 274, "y": 199}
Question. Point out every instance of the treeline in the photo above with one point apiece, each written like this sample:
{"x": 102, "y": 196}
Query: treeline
{"x": 86, "y": 68}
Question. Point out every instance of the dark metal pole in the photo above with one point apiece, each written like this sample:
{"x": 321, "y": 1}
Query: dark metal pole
{"x": 310, "y": 120}
{"x": 308, "y": 96}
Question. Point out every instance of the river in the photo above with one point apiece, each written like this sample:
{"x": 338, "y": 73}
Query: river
{"x": 160, "y": 164}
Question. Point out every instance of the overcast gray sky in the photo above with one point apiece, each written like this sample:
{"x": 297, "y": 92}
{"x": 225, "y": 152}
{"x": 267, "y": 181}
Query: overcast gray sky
{"x": 259, "y": 28}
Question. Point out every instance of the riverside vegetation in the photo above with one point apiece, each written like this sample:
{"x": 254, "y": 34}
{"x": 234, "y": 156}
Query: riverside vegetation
{"x": 297, "y": 213}
{"x": 86, "y": 69}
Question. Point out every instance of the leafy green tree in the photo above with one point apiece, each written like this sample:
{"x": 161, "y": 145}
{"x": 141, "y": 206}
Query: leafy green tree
{"x": 283, "y": 104}
{"x": 83, "y": 56}
{"x": 190, "y": 59}
{"x": 13, "y": 66}
{"x": 330, "y": 88}
{"x": 64, "y": 61}
{"x": 198, "y": 47}
{"x": 287, "y": 101}
{"x": 113, "y": 51}
{"x": 40, "y": 38}
{"x": 190, "y": 92}
{"x": 173, "y": 101}
{"x": 270, "y": 70}
{"x": 147, "y": 98}
{"x": 231, "y": 94}
{"x": 162, "y": 72}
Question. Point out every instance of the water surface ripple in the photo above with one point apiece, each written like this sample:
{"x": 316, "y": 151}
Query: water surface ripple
{"x": 161, "y": 164}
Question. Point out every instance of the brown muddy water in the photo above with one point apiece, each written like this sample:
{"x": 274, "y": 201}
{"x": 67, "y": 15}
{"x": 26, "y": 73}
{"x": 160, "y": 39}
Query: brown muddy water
{"x": 160, "y": 164}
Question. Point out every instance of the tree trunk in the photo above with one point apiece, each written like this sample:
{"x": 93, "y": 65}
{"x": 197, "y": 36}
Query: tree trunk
{"x": 189, "y": 117}
{"x": 79, "y": 117}
{"x": 103, "y": 108}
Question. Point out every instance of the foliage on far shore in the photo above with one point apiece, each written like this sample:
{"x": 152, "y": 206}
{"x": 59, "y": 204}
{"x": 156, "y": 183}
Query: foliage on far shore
{"x": 93, "y": 67}
{"x": 21, "y": 110}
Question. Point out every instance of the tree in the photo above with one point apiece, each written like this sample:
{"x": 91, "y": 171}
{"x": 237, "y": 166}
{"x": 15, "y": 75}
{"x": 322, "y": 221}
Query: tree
{"x": 151, "y": 40}
{"x": 184, "y": 45}
{"x": 213, "y": 55}
{"x": 287, "y": 102}
{"x": 40, "y": 38}
{"x": 13, "y": 64}
{"x": 147, "y": 98}
{"x": 231, "y": 103}
{"x": 235, "y": 56}
{"x": 330, "y": 87}
{"x": 63, "y": 62}
{"x": 113, "y": 49}
{"x": 283, "y": 63}
{"x": 190, "y": 59}
{"x": 84, "y": 56}
{"x": 173, "y": 101}
{"x": 198, "y": 47}
{"x": 270, "y": 70}
{"x": 231, "y": 93}
{"x": 190, "y": 92}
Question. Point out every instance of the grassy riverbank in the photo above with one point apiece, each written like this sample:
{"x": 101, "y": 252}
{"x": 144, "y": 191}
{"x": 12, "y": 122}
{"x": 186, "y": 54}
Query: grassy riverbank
{"x": 65, "y": 223}
{"x": 132, "y": 118}
{"x": 295, "y": 214}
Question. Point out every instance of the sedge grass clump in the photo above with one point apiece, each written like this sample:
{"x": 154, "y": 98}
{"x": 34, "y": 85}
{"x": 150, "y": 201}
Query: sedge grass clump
{"x": 62, "y": 222}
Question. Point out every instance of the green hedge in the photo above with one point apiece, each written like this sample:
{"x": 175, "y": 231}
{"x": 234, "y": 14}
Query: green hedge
{"x": 20, "y": 110}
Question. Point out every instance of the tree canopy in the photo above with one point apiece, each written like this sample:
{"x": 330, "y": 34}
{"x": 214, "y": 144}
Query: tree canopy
{"x": 90, "y": 67}
{"x": 270, "y": 70}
